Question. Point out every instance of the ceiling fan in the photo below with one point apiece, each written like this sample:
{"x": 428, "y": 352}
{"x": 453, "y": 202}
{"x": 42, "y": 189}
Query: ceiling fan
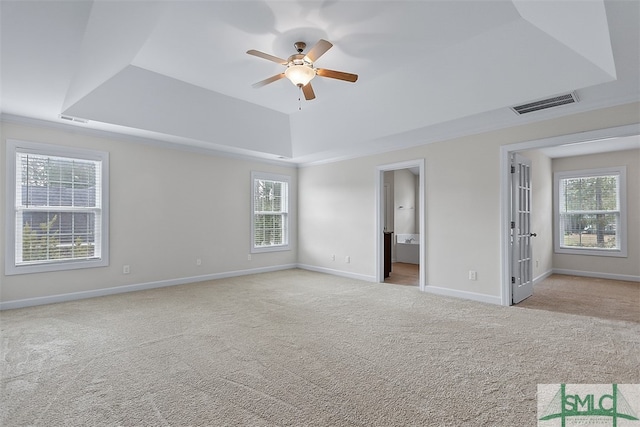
{"x": 300, "y": 70}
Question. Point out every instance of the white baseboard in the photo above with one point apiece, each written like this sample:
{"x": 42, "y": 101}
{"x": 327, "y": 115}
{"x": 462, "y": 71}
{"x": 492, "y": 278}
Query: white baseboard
{"x": 340, "y": 273}
{"x": 597, "y": 275}
{"x": 432, "y": 289}
{"x": 541, "y": 277}
{"x": 29, "y": 302}
{"x": 490, "y": 299}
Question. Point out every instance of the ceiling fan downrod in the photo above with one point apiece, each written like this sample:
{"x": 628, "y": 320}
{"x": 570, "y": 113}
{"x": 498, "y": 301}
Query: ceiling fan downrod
{"x": 300, "y": 46}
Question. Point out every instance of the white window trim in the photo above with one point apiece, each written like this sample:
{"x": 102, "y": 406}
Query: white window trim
{"x": 10, "y": 214}
{"x": 557, "y": 176}
{"x": 271, "y": 177}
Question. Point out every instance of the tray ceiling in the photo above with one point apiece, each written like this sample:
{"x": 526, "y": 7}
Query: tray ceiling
{"x": 177, "y": 71}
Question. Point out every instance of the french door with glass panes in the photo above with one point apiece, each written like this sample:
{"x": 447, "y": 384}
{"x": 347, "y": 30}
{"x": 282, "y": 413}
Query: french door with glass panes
{"x": 521, "y": 254}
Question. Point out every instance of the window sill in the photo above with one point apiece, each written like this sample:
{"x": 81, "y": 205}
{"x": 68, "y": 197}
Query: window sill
{"x": 619, "y": 253}
{"x": 11, "y": 270}
{"x": 280, "y": 248}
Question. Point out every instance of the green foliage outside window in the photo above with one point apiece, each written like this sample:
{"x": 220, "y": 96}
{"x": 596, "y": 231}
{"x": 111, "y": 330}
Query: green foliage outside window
{"x": 590, "y": 211}
{"x": 43, "y": 245}
{"x": 58, "y": 198}
{"x": 268, "y": 212}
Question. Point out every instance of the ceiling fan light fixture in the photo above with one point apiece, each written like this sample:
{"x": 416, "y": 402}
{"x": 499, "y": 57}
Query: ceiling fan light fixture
{"x": 300, "y": 74}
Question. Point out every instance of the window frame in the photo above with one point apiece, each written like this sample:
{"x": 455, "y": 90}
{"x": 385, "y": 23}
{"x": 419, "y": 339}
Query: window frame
{"x": 17, "y": 146}
{"x": 621, "y": 171}
{"x": 286, "y": 206}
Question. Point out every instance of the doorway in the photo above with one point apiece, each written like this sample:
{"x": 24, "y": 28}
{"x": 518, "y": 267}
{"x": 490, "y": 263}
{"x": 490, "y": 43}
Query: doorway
{"x": 384, "y": 227}
{"x": 578, "y": 141}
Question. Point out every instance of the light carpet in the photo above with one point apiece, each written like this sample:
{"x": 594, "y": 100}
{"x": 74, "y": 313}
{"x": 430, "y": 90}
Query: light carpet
{"x": 604, "y": 298}
{"x": 297, "y": 348}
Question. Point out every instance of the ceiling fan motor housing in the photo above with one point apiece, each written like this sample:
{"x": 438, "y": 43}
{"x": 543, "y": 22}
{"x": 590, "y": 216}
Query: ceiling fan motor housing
{"x": 299, "y": 59}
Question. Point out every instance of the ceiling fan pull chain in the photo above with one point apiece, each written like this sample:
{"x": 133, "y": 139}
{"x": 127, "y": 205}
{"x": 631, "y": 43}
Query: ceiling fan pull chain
{"x": 299, "y": 98}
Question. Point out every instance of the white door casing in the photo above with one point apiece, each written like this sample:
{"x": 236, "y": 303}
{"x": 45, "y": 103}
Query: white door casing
{"x": 379, "y": 227}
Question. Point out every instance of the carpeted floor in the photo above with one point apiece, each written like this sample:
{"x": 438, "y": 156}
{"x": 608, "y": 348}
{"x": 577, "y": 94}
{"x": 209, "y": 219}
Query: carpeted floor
{"x": 587, "y": 296}
{"x": 297, "y": 348}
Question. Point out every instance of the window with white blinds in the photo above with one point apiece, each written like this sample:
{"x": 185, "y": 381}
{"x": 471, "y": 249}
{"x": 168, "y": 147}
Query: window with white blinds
{"x": 58, "y": 208}
{"x": 270, "y": 212}
{"x": 590, "y": 212}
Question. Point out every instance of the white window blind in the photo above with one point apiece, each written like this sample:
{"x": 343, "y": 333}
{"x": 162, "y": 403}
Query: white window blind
{"x": 590, "y": 210}
{"x": 57, "y": 209}
{"x": 270, "y": 209}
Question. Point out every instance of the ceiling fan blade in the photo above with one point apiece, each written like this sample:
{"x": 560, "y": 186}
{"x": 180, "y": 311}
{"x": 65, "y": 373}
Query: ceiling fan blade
{"x": 267, "y": 56}
{"x": 337, "y": 75}
{"x": 269, "y": 80}
{"x": 308, "y": 92}
{"x": 318, "y": 50}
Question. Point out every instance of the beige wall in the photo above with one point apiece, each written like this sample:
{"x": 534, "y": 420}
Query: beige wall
{"x": 541, "y": 212}
{"x": 462, "y": 191}
{"x": 167, "y": 207}
{"x": 462, "y": 213}
{"x": 629, "y": 266}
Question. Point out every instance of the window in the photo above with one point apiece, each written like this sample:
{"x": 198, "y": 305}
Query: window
{"x": 590, "y": 214}
{"x": 270, "y": 210}
{"x": 57, "y": 216}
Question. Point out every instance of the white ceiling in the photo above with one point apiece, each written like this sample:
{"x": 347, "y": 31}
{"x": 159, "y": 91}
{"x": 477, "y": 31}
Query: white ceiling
{"x": 177, "y": 71}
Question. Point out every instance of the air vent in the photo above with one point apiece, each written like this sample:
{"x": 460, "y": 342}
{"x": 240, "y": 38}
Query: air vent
{"x": 73, "y": 119}
{"x": 543, "y": 104}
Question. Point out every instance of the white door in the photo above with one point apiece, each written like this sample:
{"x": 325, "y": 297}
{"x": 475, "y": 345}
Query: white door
{"x": 521, "y": 256}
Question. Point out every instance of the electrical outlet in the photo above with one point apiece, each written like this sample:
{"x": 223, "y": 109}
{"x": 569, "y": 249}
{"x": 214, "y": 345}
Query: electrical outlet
{"x": 473, "y": 275}
{"x": 347, "y": 259}
{"x": 198, "y": 261}
{"x": 537, "y": 263}
{"x": 249, "y": 257}
{"x": 126, "y": 269}
{"x": 333, "y": 257}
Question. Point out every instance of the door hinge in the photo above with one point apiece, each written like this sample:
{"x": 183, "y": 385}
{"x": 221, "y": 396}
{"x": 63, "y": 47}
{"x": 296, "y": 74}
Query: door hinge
{"x": 513, "y": 224}
{"x": 513, "y": 280}
{"x": 513, "y": 169}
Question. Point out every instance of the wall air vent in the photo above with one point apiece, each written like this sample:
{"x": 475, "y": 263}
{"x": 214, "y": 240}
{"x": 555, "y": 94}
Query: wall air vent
{"x": 73, "y": 119}
{"x": 543, "y": 104}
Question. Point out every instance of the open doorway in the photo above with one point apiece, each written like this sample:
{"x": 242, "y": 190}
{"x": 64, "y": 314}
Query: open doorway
{"x": 400, "y": 225}
{"x": 545, "y": 259}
